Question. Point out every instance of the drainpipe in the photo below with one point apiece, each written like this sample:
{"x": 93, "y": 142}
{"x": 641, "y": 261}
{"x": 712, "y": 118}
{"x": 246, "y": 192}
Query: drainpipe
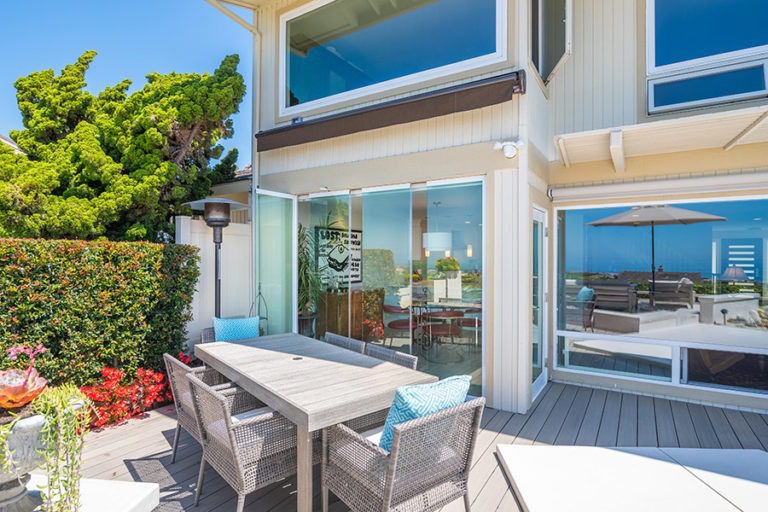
{"x": 255, "y": 157}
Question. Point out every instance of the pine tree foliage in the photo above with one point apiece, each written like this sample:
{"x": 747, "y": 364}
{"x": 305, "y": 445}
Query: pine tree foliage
{"x": 118, "y": 164}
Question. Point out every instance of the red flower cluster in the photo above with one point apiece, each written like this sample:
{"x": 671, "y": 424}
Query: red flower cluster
{"x": 115, "y": 400}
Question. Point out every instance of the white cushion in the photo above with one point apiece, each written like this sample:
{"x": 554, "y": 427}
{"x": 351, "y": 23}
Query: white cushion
{"x": 237, "y": 418}
{"x": 218, "y": 429}
{"x": 373, "y": 435}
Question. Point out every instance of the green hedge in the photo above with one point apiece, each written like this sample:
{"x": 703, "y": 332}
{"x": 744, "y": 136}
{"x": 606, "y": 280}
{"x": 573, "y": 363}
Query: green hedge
{"x": 95, "y": 303}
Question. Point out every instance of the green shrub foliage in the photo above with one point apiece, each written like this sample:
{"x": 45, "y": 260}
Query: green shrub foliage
{"x": 95, "y": 304}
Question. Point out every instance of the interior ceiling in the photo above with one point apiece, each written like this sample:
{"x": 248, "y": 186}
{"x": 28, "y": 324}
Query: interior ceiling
{"x": 342, "y": 17}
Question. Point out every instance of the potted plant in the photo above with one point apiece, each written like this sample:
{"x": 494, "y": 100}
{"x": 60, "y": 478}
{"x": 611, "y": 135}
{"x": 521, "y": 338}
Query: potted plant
{"x": 449, "y": 268}
{"x": 310, "y": 283}
{"x": 39, "y": 426}
{"x": 448, "y": 265}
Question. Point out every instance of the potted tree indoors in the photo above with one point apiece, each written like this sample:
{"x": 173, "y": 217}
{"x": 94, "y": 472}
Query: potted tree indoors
{"x": 310, "y": 283}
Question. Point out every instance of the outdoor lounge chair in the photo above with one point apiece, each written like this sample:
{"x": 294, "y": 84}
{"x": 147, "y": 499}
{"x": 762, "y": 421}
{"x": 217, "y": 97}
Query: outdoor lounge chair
{"x": 393, "y": 356}
{"x": 249, "y": 450}
{"x": 345, "y": 342}
{"x": 427, "y": 468}
{"x": 674, "y": 293}
{"x": 182, "y": 395}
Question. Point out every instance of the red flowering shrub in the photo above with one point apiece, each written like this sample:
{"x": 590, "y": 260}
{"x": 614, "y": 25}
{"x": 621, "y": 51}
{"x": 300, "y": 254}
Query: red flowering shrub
{"x": 115, "y": 400}
{"x": 185, "y": 358}
{"x": 373, "y": 330}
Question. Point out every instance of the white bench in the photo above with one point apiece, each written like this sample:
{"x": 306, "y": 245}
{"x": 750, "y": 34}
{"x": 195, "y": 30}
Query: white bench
{"x": 581, "y": 479}
{"x": 109, "y": 495}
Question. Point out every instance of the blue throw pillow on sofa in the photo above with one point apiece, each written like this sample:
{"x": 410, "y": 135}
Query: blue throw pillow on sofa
{"x": 413, "y": 402}
{"x": 233, "y": 329}
{"x": 585, "y": 294}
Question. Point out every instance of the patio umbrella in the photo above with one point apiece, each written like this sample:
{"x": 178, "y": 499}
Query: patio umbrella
{"x": 653, "y": 216}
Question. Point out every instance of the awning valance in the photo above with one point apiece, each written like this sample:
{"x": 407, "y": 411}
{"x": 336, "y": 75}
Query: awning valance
{"x": 440, "y": 102}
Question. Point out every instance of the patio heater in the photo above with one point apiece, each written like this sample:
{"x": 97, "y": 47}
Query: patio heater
{"x": 217, "y": 214}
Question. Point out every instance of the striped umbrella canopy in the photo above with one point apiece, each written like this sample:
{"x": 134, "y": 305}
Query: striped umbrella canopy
{"x": 655, "y": 215}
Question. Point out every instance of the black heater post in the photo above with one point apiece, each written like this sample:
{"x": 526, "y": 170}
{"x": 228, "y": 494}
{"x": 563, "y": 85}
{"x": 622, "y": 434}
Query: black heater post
{"x": 217, "y": 214}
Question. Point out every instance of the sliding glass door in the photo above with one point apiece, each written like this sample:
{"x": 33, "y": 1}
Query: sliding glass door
{"x": 398, "y": 266}
{"x": 383, "y": 218}
{"x": 538, "y": 288}
{"x": 329, "y": 262}
{"x": 448, "y": 278}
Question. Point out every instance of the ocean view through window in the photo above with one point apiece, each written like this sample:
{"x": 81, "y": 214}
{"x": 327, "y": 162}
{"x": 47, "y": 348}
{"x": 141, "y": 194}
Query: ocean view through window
{"x": 643, "y": 288}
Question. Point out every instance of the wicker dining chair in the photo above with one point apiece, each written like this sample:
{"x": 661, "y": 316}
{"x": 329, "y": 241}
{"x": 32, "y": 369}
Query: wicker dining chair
{"x": 182, "y": 395}
{"x": 393, "y": 356}
{"x": 249, "y": 450}
{"x": 377, "y": 419}
{"x": 427, "y": 468}
{"x": 207, "y": 335}
{"x": 344, "y": 342}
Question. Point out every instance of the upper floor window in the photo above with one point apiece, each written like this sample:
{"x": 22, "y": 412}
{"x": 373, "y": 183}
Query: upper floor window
{"x": 702, "y": 53}
{"x": 550, "y": 35}
{"x": 344, "y": 49}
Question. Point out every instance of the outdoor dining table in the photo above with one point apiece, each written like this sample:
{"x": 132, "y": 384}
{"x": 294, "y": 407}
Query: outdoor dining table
{"x": 313, "y": 384}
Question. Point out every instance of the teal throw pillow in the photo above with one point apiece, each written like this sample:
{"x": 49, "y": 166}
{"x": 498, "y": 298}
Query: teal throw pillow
{"x": 233, "y": 329}
{"x": 585, "y": 294}
{"x": 413, "y": 402}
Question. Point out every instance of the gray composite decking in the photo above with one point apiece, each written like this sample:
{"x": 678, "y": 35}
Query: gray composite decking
{"x": 563, "y": 415}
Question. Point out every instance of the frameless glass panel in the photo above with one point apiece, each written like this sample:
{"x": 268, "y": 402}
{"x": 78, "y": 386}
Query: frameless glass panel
{"x": 332, "y": 262}
{"x": 617, "y": 357}
{"x": 350, "y": 44}
{"x": 733, "y": 370}
{"x": 381, "y": 303}
{"x": 692, "y": 29}
{"x": 274, "y": 301}
{"x": 708, "y": 87}
{"x": 447, "y": 280}
{"x": 537, "y": 287}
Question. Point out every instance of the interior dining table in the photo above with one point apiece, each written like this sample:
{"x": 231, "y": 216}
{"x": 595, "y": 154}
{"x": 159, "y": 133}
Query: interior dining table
{"x": 313, "y": 384}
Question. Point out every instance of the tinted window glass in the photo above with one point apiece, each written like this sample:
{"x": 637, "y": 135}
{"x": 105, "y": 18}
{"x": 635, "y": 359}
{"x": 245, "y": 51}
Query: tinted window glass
{"x": 718, "y": 85}
{"x": 349, "y": 44}
{"x": 692, "y": 29}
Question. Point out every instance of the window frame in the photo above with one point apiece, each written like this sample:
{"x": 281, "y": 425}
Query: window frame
{"x": 704, "y": 63}
{"x": 284, "y": 111}
{"x": 717, "y": 100}
{"x": 567, "y": 52}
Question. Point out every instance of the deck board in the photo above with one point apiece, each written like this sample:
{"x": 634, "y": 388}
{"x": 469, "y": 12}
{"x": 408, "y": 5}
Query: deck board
{"x": 646, "y": 422}
{"x": 627, "y": 435}
{"x": 564, "y": 414}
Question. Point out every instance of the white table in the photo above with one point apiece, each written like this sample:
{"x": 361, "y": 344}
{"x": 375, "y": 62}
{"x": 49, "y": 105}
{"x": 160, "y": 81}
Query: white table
{"x": 311, "y": 383}
{"x": 581, "y": 478}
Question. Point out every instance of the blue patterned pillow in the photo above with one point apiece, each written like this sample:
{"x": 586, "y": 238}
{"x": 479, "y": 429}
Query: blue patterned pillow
{"x": 233, "y": 329}
{"x": 413, "y": 402}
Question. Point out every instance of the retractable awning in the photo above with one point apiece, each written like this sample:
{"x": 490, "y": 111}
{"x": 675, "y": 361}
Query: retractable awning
{"x": 724, "y": 130}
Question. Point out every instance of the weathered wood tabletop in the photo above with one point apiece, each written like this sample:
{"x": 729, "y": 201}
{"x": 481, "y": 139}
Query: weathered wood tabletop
{"x": 313, "y": 384}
